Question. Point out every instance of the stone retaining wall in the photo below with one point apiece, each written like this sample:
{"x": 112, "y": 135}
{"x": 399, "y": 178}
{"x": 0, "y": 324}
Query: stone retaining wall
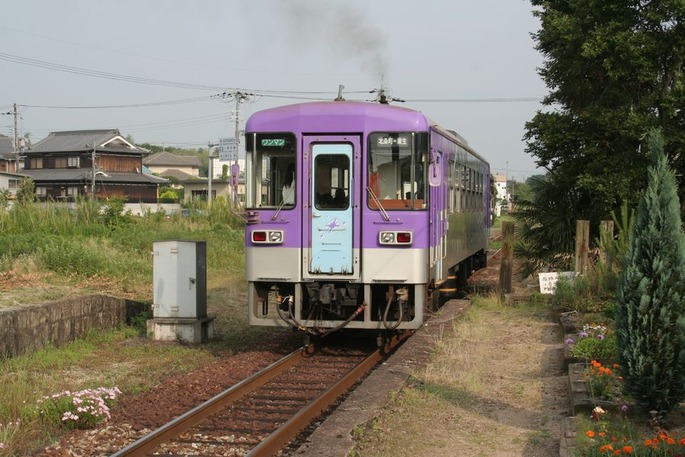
{"x": 26, "y": 329}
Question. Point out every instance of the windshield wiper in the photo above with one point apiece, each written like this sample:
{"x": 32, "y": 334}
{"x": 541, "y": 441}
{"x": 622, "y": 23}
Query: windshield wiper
{"x": 280, "y": 205}
{"x": 386, "y": 218}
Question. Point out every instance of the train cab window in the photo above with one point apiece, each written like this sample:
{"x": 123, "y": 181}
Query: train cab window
{"x": 271, "y": 175}
{"x": 397, "y": 171}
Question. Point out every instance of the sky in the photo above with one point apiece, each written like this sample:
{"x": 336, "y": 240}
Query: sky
{"x": 165, "y": 71}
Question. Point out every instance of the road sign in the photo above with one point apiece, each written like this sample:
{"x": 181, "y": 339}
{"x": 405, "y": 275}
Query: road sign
{"x": 228, "y": 149}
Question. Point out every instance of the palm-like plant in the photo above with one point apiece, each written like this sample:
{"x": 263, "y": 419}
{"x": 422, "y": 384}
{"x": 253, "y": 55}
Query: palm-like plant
{"x": 546, "y": 223}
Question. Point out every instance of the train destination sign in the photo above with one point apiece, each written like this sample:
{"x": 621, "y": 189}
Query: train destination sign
{"x": 273, "y": 142}
{"x": 387, "y": 141}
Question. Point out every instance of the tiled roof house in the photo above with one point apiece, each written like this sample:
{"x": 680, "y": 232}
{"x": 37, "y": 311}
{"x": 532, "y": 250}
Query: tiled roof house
{"x": 171, "y": 165}
{"x": 81, "y": 163}
{"x": 7, "y": 159}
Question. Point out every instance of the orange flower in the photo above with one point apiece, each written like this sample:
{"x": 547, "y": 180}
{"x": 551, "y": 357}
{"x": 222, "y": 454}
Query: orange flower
{"x": 670, "y": 441}
{"x": 615, "y": 366}
{"x": 601, "y": 434}
{"x": 590, "y": 434}
{"x": 648, "y": 442}
{"x": 627, "y": 449}
{"x": 682, "y": 442}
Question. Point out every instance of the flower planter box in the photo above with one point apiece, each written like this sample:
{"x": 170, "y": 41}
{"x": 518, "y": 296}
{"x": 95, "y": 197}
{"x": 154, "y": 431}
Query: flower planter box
{"x": 579, "y": 395}
{"x": 568, "y": 358}
{"x": 568, "y": 437}
{"x": 569, "y": 321}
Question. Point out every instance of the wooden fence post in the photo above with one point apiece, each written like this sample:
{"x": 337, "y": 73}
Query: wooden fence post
{"x": 506, "y": 267}
{"x": 582, "y": 246}
{"x": 606, "y": 233}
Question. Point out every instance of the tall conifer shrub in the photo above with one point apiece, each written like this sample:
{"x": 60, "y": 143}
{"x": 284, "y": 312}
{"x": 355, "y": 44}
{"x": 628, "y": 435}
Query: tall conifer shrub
{"x": 650, "y": 300}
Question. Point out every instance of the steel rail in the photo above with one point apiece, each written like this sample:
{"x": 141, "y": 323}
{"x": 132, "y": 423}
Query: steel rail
{"x": 148, "y": 443}
{"x": 289, "y": 430}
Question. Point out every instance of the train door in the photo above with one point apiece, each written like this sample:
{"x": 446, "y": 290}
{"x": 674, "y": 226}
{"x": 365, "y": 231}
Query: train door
{"x": 438, "y": 222}
{"x": 331, "y": 202}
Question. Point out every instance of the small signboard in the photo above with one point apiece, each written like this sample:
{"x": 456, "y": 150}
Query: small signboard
{"x": 228, "y": 149}
{"x": 548, "y": 281}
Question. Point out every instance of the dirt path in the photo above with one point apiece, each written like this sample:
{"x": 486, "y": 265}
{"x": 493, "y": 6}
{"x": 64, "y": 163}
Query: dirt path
{"x": 496, "y": 387}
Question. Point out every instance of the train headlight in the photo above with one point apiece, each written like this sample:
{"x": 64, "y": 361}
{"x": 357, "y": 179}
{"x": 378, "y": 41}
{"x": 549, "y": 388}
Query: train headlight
{"x": 395, "y": 238}
{"x": 387, "y": 237}
{"x": 267, "y": 237}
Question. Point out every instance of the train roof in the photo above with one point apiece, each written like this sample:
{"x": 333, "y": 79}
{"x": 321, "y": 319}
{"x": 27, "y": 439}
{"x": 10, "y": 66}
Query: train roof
{"x": 346, "y": 117}
{"x": 340, "y": 116}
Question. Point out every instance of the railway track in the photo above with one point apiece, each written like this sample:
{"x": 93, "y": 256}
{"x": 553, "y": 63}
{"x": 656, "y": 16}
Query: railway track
{"x": 262, "y": 414}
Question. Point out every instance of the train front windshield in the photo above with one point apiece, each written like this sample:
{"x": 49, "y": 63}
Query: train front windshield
{"x": 272, "y": 165}
{"x": 397, "y": 170}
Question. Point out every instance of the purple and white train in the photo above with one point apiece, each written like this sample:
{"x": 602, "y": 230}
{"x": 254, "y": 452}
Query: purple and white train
{"x": 360, "y": 216}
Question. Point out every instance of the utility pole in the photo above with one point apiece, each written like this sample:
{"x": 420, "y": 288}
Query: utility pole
{"x": 239, "y": 96}
{"x": 14, "y": 155}
{"x": 16, "y": 139}
{"x": 210, "y": 172}
{"x": 92, "y": 183}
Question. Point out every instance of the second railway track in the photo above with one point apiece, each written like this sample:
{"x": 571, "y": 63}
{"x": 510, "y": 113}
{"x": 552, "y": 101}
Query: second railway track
{"x": 260, "y": 415}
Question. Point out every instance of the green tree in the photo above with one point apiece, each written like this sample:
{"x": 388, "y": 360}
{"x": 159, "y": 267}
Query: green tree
{"x": 614, "y": 69}
{"x": 26, "y": 193}
{"x": 4, "y": 198}
{"x": 546, "y": 223}
{"x": 650, "y": 325}
{"x": 168, "y": 196}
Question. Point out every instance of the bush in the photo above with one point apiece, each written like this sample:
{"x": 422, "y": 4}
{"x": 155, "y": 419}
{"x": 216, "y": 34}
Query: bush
{"x": 73, "y": 256}
{"x": 83, "y": 409}
{"x": 601, "y": 347}
{"x": 169, "y": 196}
{"x": 650, "y": 308}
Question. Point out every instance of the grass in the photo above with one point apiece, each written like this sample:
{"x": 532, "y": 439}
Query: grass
{"x": 60, "y": 249}
{"x": 481, "y": 392}
{"x": 49, "y": 253}
{"x": 99, "y": 360}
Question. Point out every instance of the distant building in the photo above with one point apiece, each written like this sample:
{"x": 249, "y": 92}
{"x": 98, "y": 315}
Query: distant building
{"x": 173, "y": 166}
{"x": 11, "y": 182}
{"x": 8, "y": 160}
{"x": 502, "y": 193}
{"x": 80, "y": 163}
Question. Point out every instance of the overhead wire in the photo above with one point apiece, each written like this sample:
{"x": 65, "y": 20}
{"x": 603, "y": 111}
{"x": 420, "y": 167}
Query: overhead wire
{"x": 141, "y": 80}
{"x": 130, "y": 105}
{"x": 187, "y": 122}
{"x": 475, "y": 100}
{"x": 222, "y": 93}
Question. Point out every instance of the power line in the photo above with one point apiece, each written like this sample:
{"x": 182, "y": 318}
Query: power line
{"x": 132, "y": 105}
{"x": 102, "y": 74}
{"x": 476, "y": 100}
{"x": 141, "y": 80}
{"x": 187, "y": 122}
{"x": 284, "y": 94}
